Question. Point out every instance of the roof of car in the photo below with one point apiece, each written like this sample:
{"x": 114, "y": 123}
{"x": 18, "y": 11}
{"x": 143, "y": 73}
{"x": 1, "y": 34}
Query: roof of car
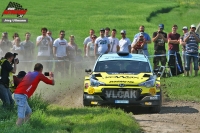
{"x": 115, "y": 56}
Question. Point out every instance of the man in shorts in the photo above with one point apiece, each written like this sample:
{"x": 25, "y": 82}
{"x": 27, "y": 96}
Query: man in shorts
{"x": 25, "y": 90}
{"x": 159, "y": 38}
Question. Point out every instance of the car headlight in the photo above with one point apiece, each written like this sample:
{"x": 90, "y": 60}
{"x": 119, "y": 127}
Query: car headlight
{"x": 94, "y": 82}
{"x": 149, "y": 83}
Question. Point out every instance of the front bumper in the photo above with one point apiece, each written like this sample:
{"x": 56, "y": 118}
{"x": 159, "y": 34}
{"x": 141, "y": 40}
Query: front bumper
{"x": 98, "y": 100}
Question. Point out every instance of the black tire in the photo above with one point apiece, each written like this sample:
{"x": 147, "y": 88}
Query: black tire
{"x": 157, "y": 109}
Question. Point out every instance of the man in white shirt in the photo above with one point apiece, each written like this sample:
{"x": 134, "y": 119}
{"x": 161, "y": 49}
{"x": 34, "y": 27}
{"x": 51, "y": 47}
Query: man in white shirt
{"x": 102, "y": 45}
{"x": 60, "y": 52}
{"x": 87, "y": 40}
{"x": 124, "y": 43}
{"x": 114, "y": 42}
{"x": 107, "y": 32}
{"x": 44, "y": 44}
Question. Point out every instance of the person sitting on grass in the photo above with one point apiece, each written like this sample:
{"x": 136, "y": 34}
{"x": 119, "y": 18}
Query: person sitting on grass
{"x": 25, "y": 90}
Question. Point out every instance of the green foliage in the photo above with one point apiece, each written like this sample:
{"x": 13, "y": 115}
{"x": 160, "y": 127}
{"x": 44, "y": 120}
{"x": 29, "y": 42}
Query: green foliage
{"x": 53, "y": 119}
{"x": 36, "y": 103}
{"x": 181, "y": 88}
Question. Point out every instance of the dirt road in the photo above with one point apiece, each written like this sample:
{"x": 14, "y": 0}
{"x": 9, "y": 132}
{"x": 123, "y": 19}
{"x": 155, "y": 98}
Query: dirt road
{"x": 175, "y": 117}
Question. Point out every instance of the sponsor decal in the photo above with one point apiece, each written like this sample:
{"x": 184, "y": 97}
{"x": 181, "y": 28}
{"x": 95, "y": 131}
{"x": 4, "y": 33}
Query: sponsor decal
{"x": 14, "y": 8}
{"x": 128, "y": 77}
{"x": 27, "y": 90}
{"x": 121, "y": 82}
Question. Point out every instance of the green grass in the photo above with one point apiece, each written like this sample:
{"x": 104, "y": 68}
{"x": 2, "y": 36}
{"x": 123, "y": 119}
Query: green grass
{"x": 55, "y": 119}
{"x": 77, "y": 17}
{"x": 181, "y": 88}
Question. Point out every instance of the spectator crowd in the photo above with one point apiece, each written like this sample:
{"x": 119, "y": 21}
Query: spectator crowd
{"x": 60, "y": 49}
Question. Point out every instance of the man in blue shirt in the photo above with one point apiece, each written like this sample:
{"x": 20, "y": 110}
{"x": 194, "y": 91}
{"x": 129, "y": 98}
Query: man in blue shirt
{"x": 146, "y": 38}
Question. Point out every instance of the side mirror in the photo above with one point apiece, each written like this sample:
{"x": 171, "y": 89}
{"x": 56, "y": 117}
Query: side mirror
{"x": 88, "y": 70}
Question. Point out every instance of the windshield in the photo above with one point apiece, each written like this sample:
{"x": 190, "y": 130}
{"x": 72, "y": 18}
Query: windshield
{"x": 123, "y": 66}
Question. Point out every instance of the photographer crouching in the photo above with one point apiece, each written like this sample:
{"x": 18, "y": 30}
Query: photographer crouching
{"x": 26, "y": 88}
{"x": 6, "y": 73}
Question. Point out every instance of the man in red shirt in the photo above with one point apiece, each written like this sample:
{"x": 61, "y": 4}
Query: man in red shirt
{"x": 26, "y": 88}
{"x": 173, "y": 41}
{"x": 138, "y": 44}
{"x": 173, "y": 53}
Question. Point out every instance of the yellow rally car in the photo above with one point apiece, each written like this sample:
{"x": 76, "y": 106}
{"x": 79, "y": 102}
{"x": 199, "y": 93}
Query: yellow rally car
{"x": 123, "y": 79}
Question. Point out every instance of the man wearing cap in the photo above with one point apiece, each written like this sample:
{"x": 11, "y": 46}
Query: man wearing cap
{"x": 102, "y": 45}
{"x": 185, "y": 30}
{"x": 87, "y": 40}
{"x": 159, "y": 38}
{"x": 147, "y": 40}
{"x": 138, "y": 44}
{"x": 5, "y": 44}
{"x": 124, "y": 43}
{"x": 6, "y": 69}
{"x": 192, "y": 39}
{"x": 114, "y": 42}
{"x": 107, "y": 32}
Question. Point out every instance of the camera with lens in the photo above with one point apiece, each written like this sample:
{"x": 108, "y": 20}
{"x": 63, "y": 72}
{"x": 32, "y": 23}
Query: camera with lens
{"x": 159, "y": 32}
{"x": 15, "y": 59}
{"x": 46, "y": 73}
{"x": 191, "y": 32}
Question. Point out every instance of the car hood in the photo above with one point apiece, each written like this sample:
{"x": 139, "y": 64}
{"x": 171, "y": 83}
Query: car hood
{"x": 121, "y": 78}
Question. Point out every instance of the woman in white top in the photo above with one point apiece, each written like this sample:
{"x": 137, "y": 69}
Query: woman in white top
{"x": 17, "y": 48}
{"x": 90, "y": 48}
{"x": 71, "y": 52}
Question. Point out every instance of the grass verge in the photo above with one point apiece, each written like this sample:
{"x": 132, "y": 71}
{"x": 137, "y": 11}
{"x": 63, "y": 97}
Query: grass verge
{"x": 54, "y": 119}
{"x": 181, "y": 88}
